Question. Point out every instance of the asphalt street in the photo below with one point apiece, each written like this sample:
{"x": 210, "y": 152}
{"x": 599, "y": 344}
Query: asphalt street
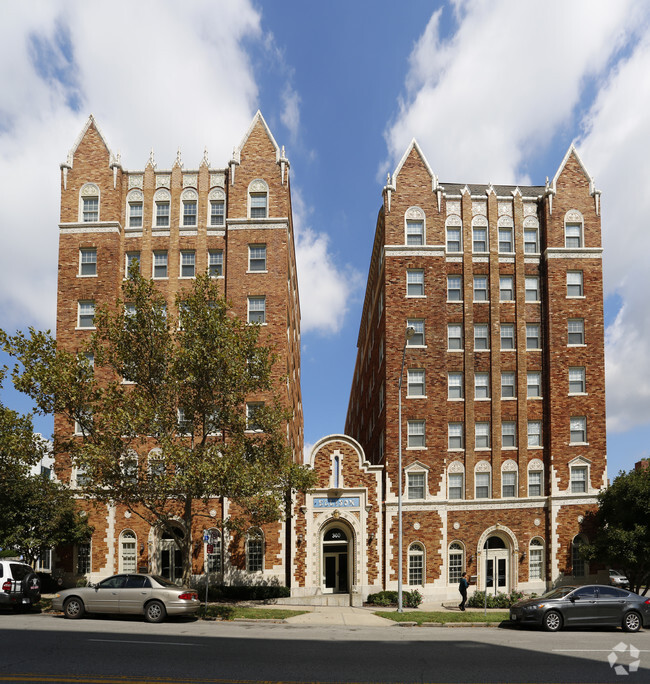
{"x": 107, "y": 650}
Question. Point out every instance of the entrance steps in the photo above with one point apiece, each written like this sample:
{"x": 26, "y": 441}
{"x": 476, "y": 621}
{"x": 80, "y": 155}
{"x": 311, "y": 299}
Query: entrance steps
{"x": 335, "y": 600}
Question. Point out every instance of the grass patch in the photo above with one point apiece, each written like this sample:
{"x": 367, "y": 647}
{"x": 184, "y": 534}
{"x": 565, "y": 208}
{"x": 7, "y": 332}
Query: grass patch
{"x": 443, "y": 616}
{"x": 248, "y": 613}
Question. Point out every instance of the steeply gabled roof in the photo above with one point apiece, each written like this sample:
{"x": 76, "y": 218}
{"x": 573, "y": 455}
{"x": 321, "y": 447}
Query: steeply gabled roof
{"x": 258, "y": 118}
{"x": 414, "y": 146}
{"x": 91, "y": 121}
{"x": 573, "y": 151}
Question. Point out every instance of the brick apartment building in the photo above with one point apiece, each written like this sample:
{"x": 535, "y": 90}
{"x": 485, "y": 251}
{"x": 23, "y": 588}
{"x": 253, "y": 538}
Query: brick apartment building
{"x": 233, "y": 221}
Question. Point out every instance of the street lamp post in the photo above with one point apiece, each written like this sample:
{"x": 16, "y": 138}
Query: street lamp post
{"x": 410, "y": 331}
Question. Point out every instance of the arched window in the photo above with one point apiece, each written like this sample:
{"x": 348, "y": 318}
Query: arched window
{"x": 509, "y": 478}
{"x": 128, "y": 553}
{"x": 255, "y": 550}
{"x": 480, "y": 240}
{"x": 536, "y": 559}
{"x": 217, "y": 208}
{"x": 454, "y": 228}
{"x": 416, "y": 564}
{"x": 156, "y": 463}
{"x": 573, "y": 230}
{"x": 456, "y": 480}
{"x": 535, "y": 478}
{"x": 506, "y": 235}
{"x": 161, "y": 202}
{"x": 578, "y": 564}
{"x": 415, "y": 226}
{"x": 213, "y": 550}
{"x": 258, "y": 199}
{"x": 483, "y": 480}
{"x": 189, "y": 208}
{"x": 134, "y": 210}
{"x": 89, "y": 203}
{"x": 456, "y": 562}
{"x": 130, "y": 467}
{"x": 531, "y": 235}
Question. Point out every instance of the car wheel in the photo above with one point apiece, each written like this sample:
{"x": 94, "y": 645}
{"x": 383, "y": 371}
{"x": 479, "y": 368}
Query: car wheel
{"x": 552, "y": 621}
{"x": 74, "y": 608}
{"x": 631, "y": 622}
{"x": 154, "y": 612}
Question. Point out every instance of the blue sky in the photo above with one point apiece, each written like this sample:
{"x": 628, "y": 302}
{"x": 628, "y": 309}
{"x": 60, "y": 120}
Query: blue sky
{"x": 493, "y": 92}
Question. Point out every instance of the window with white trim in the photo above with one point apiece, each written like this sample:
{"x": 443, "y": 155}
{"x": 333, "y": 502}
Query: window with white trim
{"x": 156, "y": 463}
{"x": 83, "y": 559}
{"x": 578, "y": 430}
{"x": 579, "y": 475}
{"x": 573, "y": 235}
{"x": 574, "y": 284}
{"x": 506, "y": 289}
{"x": 215, "y": 263}
{"x": 535, "y": 483}
{"x": 416, "y": 565}
{"x": 414, "y": 232}
{"x": 217, "y": 212}
{"x": 160, "y": 264}
{"x": 508, "y": 434}
{"x": 576, "y": 330}
{"x": 507, "y": 384}
{"x": 481, "y": 385}
{"x": 531, "y": 241}
{"x": 188, "y": 263}
{"x": 86, "y": 315}
{"x": 415, "y": 282}
{"x": 536, "y": 560}
{"x": 578, "y": 564}
{"x": 415, "y": 383}
{"x": 255, "y": 550}
{"x": 456, "y": 482}
{"x": 481, "y": 339}
{"x": 480, "y": 288}
{"x": 508, "y": 484}
{"x": 454, "y": 288}
{"x": 257, "y": 310}
{"x": 482, "y": 434}
{"x": 505, "y": 239}
{"x": 131, "y": 259}
{"x": 129, "y": 467}
{"x": 416, "y": 485}
{"x": 454, "y": 336}
{"x": 454, "y": 385}
{"x": 128, "y": 553}
{"x": 534, "y": 433}
{"x": 89, "y": 203}
{"x": 533, "y": 339}
{"x": 88, "y": 261}
{"x": 455, "y": 432}
{"x": 532, "y": 289}
{"x": 189, "y": 212}
{"x": 456, "y": 562}
{"x": 135, "y": 213}
{"x": 533, "y": 384}
{"x": 577, "y": 381}
{"x": 213, "y": 550}
{"x": 418, "y": 336}
{"x": 479, "y": 239}
{"x": 507, "y": 336}
{"x": 253, "y": 409}
{"x": 454, "y": 239}
{"x": 482, "y": 485}
{"x": 415, "y": 434}
{"x": 259, "y": 205}
{"x": 257, "y": 257}
{"x": 161, "y": 203}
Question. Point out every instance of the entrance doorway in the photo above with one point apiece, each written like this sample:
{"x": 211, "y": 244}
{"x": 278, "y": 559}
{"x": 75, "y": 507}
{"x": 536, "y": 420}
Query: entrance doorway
{"x": 497, "y": 575}
{"x": 335, "y": 561}
{"x": 170, "y": 558}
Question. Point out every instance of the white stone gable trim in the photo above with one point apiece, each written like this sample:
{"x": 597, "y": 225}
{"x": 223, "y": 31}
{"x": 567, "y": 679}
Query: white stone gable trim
{"x": 91, "y": 120}
{"x": 572, "y": 150}
{"x": 258, "y": 117}
{"x": 414, "y": 146}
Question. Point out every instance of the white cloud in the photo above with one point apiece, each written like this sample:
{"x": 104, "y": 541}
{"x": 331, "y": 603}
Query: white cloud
{"x": 291, "y": 114}
{"x": 155, "y": 74}
{"x": 325, "y": 289}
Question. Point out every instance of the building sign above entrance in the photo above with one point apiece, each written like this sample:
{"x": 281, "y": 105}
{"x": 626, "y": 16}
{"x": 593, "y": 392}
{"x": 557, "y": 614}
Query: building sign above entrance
{"x": 340, "y": 502}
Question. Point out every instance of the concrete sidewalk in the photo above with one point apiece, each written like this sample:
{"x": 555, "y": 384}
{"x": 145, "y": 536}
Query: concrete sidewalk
{"x": 338, "y": 615}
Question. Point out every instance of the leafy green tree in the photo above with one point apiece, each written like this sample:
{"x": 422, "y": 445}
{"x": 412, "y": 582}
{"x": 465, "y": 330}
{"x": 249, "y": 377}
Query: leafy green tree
{"x": 175, "y": 383}
{"x": 622, "y": 524}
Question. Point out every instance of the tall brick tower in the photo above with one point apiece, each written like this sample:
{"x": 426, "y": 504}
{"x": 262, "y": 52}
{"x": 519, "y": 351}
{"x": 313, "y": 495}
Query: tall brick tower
{"x": 234, "y": 222}
{"x": 503, "y": 425}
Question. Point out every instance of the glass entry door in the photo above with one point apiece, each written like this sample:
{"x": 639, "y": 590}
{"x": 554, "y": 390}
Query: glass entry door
{"x": 171, "y": 559}
{"x": 497, "y": 578}
{"x": 335, "y": 562}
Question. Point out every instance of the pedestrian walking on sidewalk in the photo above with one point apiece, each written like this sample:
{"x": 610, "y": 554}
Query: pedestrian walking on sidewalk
{"x": 462, "y": 587}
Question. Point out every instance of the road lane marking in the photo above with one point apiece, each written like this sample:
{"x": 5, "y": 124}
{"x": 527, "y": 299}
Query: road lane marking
{"x": 591, "y": 650}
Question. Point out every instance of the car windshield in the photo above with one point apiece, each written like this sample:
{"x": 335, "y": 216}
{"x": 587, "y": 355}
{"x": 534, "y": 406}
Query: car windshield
{"x": 164, "y": 582}
{"x": 558, "y": 593}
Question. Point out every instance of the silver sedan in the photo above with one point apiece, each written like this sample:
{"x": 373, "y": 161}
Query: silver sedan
{"x": 148, "y": 595}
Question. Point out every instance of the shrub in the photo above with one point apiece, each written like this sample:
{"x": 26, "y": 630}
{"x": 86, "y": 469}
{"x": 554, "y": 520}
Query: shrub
{"x": 411, "y": 599}
{"x": 499, "y": 600}
{"x": 243, "y": 593}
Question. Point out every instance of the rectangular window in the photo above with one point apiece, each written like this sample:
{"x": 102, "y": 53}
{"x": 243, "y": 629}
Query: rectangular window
{"x": 534, "y": 433}
{"x": 414, "y": 233}
{"x": 257, "y": 309}
{"x": 255, "y": 555}
{"x": 479, "y": 239}
{"x": 162, "y": 214}
{"x": 533, "y": 384}
{"x": 456, "y": 486}
{"x": 88, "y": 261}
{"x": 415, "y": 282}
{"x": 536, "y": 566}
{"x": 480, "y": 288}
{"x": 482, "y": 435}
{"x": 531, "y": 241}
{"x": 506, "y": 289}
{"x": 132, "y": 259}
{"x": 534, "y": 483}
{"x": 258, "y": 204}
{"x": 576, "y": 331}
{"x": 415, "y": 384}
{"x": 257, "y": 257}
{"x": 507, "y": 336}
{"x": 215, "y": 263}
{"x": 508, "y": 484}
{"x": 160, "y": 264}
{"x": 418, "y": 336}
{"x": 578, "y": 430}
{"x": 577, "y": 382}
{"x": 453, "y": 239}
{"x": 578, "y": 479}
{"x": 455, "y": 566}
{"x": 532, "y": 289}
{"x": 188, "y": 264}
{"x": 505, "y": 240}
{"x": 90, "y": 209}
{"x": 415, "y": 433}
{"x": 454, "y": 336}
{"x": 415, "y": 485}
{"x": 574, "y": 284}
{"x": 252, "y": 415}
{"x": 482, "y": 485}
{"x": 507, "y": 384}
{"x": 455, "y": 385}
{"x": 189, "y": 213}
{"x": 135, "y": 214}
{"x": 217, "y": 213}
{"x": 86, "y": 317}
{"x": 532, "y": 336}
{"x": 482, "y": 386}
{"x": 508, "y": 434}
{"x": 455, "y": 436}
{"x": 454, "y": 288}
{"x": 83, "y": 559}
{"x": 416, "y": 566}
{"x": 481, "y": 340}
{"x": 573, "y": 235}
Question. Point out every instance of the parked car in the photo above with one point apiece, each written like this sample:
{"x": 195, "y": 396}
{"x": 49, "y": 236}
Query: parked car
{"x": 148, "y": 595}
{"x": 21, "y": 587}
{"x": 592, "y": 604}
{"x": 618, "y": 579}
